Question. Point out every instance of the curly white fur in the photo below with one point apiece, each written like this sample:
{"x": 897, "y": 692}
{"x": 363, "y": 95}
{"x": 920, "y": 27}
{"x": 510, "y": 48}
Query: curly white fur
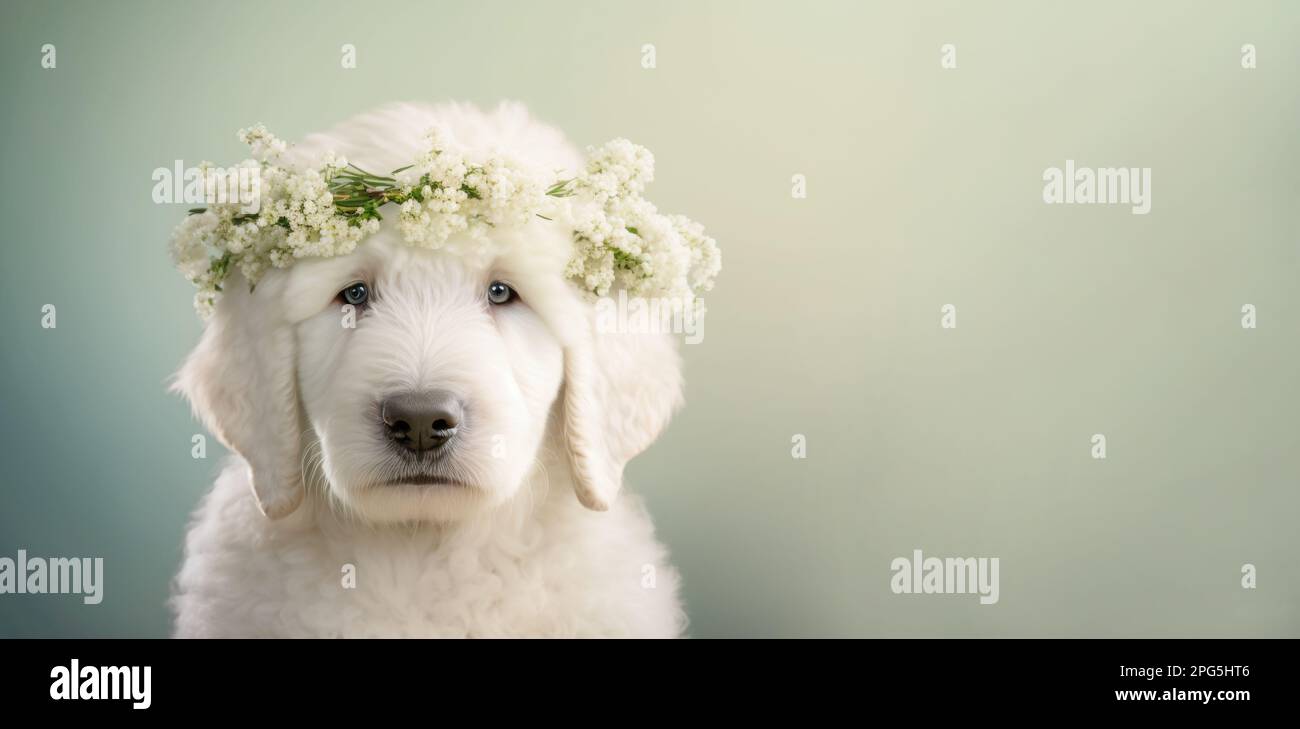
{"x": 325, "y": 544}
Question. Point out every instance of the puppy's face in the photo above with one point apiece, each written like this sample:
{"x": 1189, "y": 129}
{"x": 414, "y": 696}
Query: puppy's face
{"x": 427, "y": 378}
{"x": 417, "y": 385}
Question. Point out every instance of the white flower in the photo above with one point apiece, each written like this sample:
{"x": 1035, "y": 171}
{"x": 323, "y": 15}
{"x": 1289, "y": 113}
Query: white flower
{"x": 264, "y": 144}
{"x": 334, "y": 163}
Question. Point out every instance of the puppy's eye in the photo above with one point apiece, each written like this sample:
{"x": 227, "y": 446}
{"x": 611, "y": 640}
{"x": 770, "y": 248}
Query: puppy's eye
{"x": 500, "y": 293}
{"x": 356, "y": 294}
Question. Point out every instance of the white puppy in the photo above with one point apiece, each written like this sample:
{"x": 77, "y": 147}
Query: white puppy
{"x": 414, "y": 475}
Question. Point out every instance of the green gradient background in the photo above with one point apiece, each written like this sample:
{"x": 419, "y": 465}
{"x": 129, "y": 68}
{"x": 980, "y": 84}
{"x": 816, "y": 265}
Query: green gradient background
{"x": 924, "y": 189}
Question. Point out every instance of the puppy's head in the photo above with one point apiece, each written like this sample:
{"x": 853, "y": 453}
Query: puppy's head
{"x": 420, "y": 385}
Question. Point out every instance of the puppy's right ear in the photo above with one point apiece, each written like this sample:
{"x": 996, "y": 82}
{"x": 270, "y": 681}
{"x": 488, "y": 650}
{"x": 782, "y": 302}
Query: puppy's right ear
{"x": 241, "y": 383}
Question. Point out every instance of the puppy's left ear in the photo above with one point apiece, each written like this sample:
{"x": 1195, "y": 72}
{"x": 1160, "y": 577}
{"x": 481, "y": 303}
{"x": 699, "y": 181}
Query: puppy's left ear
{"x": 241, "y": 381}
{"x": 620, "y": 391}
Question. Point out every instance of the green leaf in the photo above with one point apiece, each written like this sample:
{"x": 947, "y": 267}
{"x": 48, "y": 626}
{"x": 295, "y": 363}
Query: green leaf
{"x": 560, "y": 189}
{"x": 625, "y": 261}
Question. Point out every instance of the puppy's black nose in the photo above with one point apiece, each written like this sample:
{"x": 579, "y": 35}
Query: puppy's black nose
{"x": 421, "y": 421}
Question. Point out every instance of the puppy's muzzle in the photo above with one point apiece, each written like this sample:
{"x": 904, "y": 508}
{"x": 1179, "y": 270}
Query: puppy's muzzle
{"x": 421, "y": 421}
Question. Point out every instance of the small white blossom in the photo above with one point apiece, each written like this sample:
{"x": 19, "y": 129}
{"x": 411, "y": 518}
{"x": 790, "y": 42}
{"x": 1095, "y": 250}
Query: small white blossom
{"x": 265, "y": 145}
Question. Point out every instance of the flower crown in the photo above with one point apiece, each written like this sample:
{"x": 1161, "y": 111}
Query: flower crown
{"x": 620, "y": 239}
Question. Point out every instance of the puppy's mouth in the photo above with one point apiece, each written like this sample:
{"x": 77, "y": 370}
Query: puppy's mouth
{"x": 422, "y": 470}
{"x": 425, "y": 480}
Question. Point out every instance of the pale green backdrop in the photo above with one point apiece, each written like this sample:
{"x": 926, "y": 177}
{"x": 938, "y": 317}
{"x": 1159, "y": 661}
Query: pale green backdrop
{"x": 924, "y": 189}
